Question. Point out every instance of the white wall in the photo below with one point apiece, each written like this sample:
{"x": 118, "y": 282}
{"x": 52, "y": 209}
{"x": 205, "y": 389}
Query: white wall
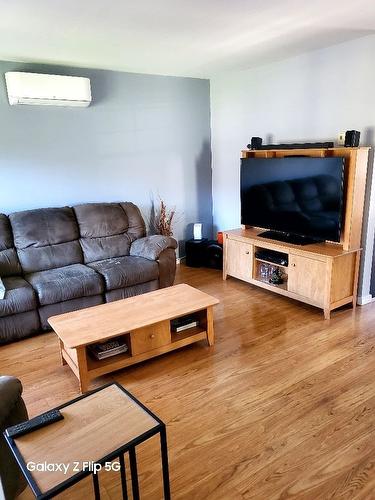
{"x": 306, "y": 98}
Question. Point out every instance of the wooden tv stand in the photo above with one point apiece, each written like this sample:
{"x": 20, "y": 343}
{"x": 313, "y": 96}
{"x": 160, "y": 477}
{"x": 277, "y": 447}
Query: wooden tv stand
{"x": 324, "y": 275}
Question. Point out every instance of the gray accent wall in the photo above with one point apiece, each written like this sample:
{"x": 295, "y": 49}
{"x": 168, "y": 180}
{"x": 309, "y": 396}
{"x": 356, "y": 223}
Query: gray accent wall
{"x": 144, "y": 136}
{"x": 306, "y": 98}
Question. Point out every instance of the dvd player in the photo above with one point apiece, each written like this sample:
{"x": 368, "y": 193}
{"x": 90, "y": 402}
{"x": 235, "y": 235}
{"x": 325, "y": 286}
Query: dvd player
{"x": 273, "y": 257}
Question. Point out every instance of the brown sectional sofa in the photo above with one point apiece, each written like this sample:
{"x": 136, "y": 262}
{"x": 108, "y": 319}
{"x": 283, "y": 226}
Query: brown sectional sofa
{"x": 55, "y": 260}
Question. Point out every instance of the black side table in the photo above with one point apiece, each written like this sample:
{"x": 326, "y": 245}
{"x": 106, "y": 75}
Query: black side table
{"x": 195, "y": 252}
{"x": 97, "y": 428}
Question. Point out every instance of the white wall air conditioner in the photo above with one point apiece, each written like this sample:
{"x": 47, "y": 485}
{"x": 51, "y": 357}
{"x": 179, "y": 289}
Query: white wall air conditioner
{"x": 47, "y": 90}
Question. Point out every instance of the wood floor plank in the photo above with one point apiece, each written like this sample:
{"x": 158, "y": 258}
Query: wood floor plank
{"x": 282, "y": 406}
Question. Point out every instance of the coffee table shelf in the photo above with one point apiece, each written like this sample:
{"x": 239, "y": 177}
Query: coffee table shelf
{"x": 186, "y": 334}
{"x": 95, "y": 364}
{"x": 145, "y": 320}
{"x": 100, "y": 367}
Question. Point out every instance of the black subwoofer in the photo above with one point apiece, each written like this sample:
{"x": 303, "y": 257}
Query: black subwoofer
{"x": 214, "y": 255}
{"x": 196, "y": 252}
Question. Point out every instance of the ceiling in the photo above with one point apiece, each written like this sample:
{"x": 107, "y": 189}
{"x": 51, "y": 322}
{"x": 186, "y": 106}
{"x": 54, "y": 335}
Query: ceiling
{"x": 176, "y": 37}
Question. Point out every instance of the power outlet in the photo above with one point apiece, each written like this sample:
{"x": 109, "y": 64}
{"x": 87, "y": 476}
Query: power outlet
{"x": 341, "y": 139}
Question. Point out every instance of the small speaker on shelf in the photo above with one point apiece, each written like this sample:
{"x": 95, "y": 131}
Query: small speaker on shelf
{"x": 256, "y": 143}
{"x": 352, "y": 138}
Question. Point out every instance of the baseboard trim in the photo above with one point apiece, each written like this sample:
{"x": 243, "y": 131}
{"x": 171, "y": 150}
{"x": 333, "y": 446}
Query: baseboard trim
{"x": 365, "y": 299}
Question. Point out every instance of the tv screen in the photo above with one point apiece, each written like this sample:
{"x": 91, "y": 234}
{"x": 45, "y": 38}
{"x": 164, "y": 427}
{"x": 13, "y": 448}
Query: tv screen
{"x": 297, "y": 195}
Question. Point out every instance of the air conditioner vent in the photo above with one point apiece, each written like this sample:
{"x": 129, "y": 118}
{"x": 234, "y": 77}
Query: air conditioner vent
{"x": 47, "y": 90}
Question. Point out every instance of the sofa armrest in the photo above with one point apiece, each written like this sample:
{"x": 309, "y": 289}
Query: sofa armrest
{"x": 10, "y": 393}
{"x": 12, "y": 412}
{"x": 151, "y": 247}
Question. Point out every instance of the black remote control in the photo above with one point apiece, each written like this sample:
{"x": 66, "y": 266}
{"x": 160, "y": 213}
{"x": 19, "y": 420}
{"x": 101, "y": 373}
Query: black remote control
{"x": 35, "y": 423}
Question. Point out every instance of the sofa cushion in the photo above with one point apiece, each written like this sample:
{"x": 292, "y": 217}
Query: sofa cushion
{"x": 105, "y": 247}
{"x": 131, "y": 291}
{"x": 19, "y": 296}
{"x": 9, "y": 263}
{"x": 65, "y": 283}
{"x": 97, "y": 220}
{"x": 46, "y": 238}
{"x": 137, "y": 227}
{"x": 46, "y": 312}
{"x": 126, "y": 271}
{"x": 107, "y": 229}
{"x": 6, "y": 237}
{"x": 18, "y": 326}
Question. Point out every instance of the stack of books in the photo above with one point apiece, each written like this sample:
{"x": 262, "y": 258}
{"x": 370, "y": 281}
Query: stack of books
{"x": 184, "y": 323}
{"x": 108, "y": 349}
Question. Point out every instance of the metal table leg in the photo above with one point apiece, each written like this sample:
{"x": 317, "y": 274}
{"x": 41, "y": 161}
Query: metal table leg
{"x": 164, "y": 461}
{"x": 134, "y": 473}
{"x": 95, "y": 480}
{"x": 123, "y": 477}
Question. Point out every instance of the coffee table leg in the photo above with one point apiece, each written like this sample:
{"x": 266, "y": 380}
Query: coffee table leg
{"x": 134, "y": 473}
{"x": 210, "y": 326}
{"x": 123, "y": 477}
{"x": 63, "y": 362}
{"x": 82, "y": 369}
{"x": 164, "y": 462}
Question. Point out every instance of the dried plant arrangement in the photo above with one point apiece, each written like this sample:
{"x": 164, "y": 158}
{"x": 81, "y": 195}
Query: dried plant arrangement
{"x": 162, "y": 220}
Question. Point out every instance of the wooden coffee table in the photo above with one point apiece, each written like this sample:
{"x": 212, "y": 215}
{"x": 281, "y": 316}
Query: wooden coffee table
{"x": 144, "y": 322}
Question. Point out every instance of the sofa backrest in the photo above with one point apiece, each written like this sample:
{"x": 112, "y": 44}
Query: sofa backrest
{"x": 9, "y": 263}
{"x": 108, "y": 229}
{"x": 46, "y": 238}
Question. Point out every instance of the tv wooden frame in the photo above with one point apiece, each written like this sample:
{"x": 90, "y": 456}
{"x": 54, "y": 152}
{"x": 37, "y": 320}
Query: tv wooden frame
{"x": 355, "y": 172}
{"x": 330, "y": 268}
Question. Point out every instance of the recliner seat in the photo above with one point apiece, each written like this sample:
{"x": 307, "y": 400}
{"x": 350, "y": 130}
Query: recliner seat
{"x": 18, "y": 310}
{"x": 20, "y": 296}
{"x": 47, "y": 243}
{"x": 65, "y": 283}
{"x": 107, "y": 248}
{"x": 121, "y": 272}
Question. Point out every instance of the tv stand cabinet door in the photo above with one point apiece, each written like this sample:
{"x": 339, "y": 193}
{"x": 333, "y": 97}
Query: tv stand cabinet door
{"x": 307, "y": 278}
{"x": 239, "y": 259}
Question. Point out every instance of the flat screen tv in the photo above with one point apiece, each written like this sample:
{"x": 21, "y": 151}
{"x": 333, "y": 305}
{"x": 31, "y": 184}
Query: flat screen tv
{"x": 293, "y": 196}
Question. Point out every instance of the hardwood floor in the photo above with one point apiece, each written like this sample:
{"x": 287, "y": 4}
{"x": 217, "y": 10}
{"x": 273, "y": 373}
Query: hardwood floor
{"x": 282, "y": 406}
